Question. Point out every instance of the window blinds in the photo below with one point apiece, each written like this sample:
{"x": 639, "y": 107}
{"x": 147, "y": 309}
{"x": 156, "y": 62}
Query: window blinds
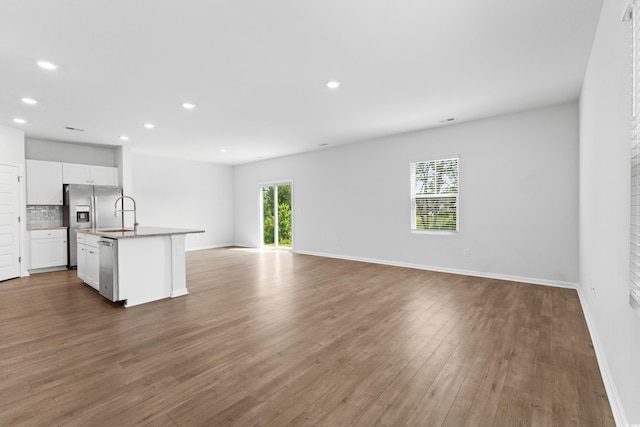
{"x": 634, "y": 292}
{"x": 434, "y": 195}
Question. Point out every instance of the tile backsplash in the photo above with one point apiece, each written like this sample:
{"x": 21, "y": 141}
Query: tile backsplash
{"x": 44, "y": 216}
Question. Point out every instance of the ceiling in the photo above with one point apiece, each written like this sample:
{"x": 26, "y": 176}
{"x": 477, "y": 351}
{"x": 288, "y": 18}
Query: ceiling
{"x": 257, "y": 70}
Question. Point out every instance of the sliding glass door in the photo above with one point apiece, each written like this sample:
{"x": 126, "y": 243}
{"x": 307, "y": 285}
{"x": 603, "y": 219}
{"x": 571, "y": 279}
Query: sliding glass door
{"x": 277, "y": 221}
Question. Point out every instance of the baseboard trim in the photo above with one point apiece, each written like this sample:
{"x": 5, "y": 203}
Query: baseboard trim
{"x": 179, "y": 293}
{"x": 45, "y": 270}
{"x": 202, "y": 248}
{"x": 617, "y": 409}
{"x": 531, "y": 280}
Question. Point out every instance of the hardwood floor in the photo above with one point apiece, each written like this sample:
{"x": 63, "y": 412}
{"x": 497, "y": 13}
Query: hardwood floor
{"x": 274, "y": 338}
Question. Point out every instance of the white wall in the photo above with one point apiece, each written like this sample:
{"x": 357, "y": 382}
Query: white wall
{"x": 605, "y": 107}
{"x": 518, "y": 198}
{"x": 124, "y": 158}
{"x": 12, "y": 153}
{"x": 184, "y": 194}
{"x": 11, "y": 146}
{"x": 54, "y": 151}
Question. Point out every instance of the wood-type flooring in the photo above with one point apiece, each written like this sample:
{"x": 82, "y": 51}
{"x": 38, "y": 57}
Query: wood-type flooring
{"x": 275, "y": 339}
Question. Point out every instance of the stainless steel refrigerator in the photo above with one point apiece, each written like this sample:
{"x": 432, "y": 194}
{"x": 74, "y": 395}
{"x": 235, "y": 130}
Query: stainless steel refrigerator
{"x": 88, "y": 206}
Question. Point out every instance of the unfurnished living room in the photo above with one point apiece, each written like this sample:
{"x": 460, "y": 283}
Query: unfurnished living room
{"x": 302, "y": 213}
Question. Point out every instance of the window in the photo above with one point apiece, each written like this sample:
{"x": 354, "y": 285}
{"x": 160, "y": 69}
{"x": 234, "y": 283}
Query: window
{"x": 434, "y": 195}
{"x": 634, "y": 291}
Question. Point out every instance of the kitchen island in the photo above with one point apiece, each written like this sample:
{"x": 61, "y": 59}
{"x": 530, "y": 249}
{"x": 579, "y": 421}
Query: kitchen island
{"x": 135, "y": 266}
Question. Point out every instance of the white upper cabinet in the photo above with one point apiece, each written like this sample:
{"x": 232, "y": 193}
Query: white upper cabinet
{"x": 73, "y": 173}
{"x": 44, "y": 183}
{"x": 45, "y": 179}
{"x": 103, "y": 175}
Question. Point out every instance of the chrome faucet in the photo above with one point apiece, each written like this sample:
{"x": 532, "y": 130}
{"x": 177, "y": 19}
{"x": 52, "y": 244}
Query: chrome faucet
{"x": 123, "y": 210}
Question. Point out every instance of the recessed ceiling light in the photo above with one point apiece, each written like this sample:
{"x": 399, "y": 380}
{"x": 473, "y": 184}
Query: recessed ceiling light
{"x": 223, "y": 150}
{"x": 189, "y": 106}
{"x": 333, "y": 84}
{"x": 149, "y": 125}
{"x": 124, "y": 138}
{"x": 19, "y": 120}
{"x": 47, "y": 65}
{"x": 29, "y": 101}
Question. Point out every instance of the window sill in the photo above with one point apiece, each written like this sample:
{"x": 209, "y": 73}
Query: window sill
{"x": 436, "y": 232}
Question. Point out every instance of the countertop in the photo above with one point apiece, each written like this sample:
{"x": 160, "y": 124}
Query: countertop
{"x": 141, "y": 232}
{"x": 58, "y": 227}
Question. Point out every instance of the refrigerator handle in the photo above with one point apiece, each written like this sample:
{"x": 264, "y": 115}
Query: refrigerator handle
{"x": 94, "y": 213}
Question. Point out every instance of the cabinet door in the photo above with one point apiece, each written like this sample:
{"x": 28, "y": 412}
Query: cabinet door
{"x": 44, "y": 183}
{"x": 82, "y": 261}
{"x": 48, "y": 252}
{"x": 61, "y": 251}
{"x": 93, "y": 267}
{"x": 103, "y": 175}
{"x": 73, "y": 173}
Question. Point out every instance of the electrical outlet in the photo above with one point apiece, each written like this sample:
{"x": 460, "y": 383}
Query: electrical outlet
{"x": 466, "y": 252}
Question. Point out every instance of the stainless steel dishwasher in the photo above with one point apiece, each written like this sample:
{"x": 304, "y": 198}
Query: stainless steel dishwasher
{"x": 109, "y": 268}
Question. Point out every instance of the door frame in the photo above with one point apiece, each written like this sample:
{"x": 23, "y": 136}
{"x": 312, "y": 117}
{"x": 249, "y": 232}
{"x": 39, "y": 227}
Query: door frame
{"x": 279, "y": 182}
{"x": 22, "y": 209}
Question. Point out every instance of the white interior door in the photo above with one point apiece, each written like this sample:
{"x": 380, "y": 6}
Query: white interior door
{"x": 9, "y": 225}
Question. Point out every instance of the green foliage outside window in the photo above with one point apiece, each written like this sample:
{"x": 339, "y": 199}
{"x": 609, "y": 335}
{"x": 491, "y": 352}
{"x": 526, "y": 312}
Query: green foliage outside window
{"x": 284, "y": 215}
{"x": 435, "y": 194}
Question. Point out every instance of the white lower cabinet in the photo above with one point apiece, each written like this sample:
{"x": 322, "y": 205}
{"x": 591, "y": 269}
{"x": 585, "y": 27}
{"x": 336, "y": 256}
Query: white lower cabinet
{"x": 82, "y": 261}
{"x": 93, "y": 267}
{"x": 48, "y": 248}
{"x": 89, "y": 260}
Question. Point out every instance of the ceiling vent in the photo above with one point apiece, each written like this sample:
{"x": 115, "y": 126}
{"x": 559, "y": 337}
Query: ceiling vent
{"x": 74, "y": 129}
{"x": 450, "y": 119}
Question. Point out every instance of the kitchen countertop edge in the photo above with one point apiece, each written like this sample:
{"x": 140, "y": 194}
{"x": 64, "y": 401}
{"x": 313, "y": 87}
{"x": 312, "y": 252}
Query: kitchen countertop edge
{"x": 53, "y": 227}
{"x": 141, "y": 232}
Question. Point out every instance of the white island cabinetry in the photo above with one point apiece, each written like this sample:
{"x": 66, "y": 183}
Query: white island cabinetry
{"x": 149, "y": 263}
{"x": 88, "y": 259}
